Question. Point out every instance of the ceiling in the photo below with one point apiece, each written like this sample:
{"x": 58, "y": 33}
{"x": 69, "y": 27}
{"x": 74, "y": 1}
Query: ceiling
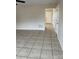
{"x": 40, "y": 2}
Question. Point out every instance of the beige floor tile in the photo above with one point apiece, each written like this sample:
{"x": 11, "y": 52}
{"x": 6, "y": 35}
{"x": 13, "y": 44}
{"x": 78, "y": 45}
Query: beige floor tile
{"x": 18, "y": 50}
{"x": 46, "y": 54}
{"x": 33, "y": 57}
{"x": 24, "y": 52}
{"x": 21, "y": 58}
{"x": 35, "y": 53}
{"x": 58, "y": 57}
{"x": 36, "y": 44}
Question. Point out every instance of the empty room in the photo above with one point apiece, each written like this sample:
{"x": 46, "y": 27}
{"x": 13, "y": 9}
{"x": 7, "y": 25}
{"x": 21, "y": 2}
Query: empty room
{"x": 39, "y": 29}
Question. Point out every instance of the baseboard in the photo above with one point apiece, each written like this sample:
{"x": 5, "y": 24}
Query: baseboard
{"x": 30, "y": 29}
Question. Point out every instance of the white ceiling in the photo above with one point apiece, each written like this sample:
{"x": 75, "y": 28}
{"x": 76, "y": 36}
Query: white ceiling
{"x": 41, "y": 2}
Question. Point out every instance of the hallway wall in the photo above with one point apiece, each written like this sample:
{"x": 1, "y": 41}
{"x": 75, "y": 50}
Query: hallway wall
{"x": 60, "y": 29}
{"x": 58, "y": 22}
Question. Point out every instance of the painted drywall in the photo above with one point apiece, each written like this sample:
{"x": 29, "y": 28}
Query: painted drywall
{"x": 30, "y": 18}
{"x": 56, "y": 18}
{"x": 60, "y": 29}
{"x": 58, "y": 21}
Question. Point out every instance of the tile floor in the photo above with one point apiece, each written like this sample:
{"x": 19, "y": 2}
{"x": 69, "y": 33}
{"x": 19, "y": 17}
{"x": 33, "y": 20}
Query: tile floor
{"x": 32, "y": 44}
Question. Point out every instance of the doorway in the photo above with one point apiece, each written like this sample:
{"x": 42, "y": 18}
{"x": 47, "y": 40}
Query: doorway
{"x": 48, "y": 18}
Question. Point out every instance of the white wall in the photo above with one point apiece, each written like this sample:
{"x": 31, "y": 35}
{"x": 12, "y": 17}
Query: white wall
{"x": 60, "y": 30}
{"x": 58, "y": 21}
{"x": 30, "y": 18}
{"x": 56, "y": 18}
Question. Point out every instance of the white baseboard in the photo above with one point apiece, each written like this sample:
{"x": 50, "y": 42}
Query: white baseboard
{"x": 30, "y": 29}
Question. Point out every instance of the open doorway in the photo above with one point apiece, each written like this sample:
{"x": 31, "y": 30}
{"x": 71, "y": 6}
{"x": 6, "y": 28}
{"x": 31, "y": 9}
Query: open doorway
{"x": 48, "y": 18}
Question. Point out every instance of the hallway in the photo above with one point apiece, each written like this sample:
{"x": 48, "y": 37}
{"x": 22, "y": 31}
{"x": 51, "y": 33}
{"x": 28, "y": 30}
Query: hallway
{"x": 34, "y": 44}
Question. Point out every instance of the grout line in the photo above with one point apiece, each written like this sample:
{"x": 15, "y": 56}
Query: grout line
{"x": 20, "y": 49}
{"x": 52, "y": 50}
{"x": 19, "y": 52}
{"x": 41, "y": 48}
{"x": 31, "y": 50}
